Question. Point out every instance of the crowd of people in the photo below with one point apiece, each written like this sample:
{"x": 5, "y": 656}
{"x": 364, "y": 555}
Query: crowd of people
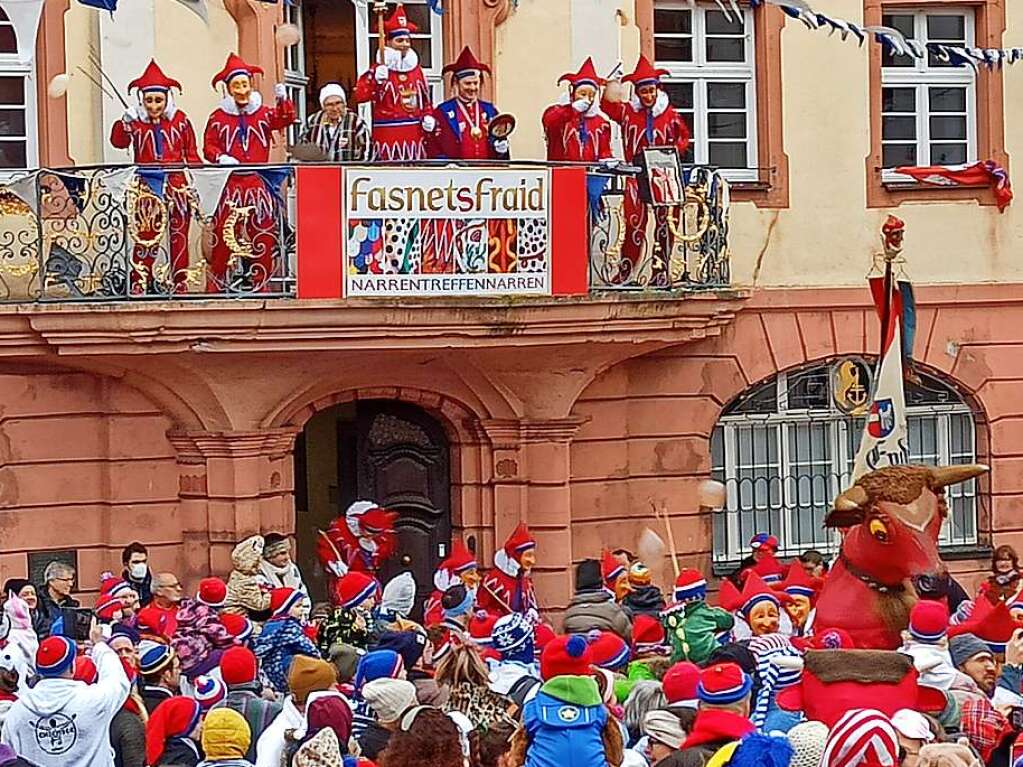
{"x": 249, "y": 671}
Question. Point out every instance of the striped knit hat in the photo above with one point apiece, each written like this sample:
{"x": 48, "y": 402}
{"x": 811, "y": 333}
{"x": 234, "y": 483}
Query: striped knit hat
{"x": 209, "y": 691}
{"x": 283, "y": 600}
{"x": 723, "y": 683}
{"x": 56, "y": 655}
{"x": 862, "y": 738}
{"x": 690, "y": 586}
{"x": 154, "y": 657}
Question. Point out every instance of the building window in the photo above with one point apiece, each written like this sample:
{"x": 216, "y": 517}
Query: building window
{"x": 784, "y": 452}
{"x": 428, "y": 42}
{"x": 17, "y": 103}
{"x": 295, "y": 79}
{"x": 928, "y": 107}
{"x": 711, "y": 58}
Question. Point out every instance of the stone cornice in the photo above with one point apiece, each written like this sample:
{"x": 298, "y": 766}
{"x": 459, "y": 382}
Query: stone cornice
{"x": 507, "y": 433}
{"x": 239, "y": 326}
{"x": 199, "y": 446}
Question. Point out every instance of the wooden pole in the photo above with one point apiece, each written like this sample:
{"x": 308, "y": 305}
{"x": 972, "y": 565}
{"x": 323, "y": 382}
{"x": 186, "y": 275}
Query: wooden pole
{"x": 380, "y": 6}
{"x": 662, "y": 514}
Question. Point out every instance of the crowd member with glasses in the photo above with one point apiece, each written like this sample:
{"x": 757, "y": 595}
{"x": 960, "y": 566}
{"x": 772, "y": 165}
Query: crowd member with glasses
{"x": 55, "y": 595}
{"x": 167, "y": 595}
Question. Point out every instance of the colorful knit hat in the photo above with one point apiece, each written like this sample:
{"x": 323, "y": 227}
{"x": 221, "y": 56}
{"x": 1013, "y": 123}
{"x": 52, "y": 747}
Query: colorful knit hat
{"x": 107, "y": 607}
{"x": 647, "y": 635}
{"x": 639, "y": 575}
{"x": 611, "y": 569}
{"x": 152, "y": 620}
{"x": 238, "y": 666}
{"x": 992, "y": 624}
{"x": 928, "y": 621}
{"x": 209, "y": 691}
{"x": 284, "y": 600}
{"x": 212, "y": 592}
{"x": 55, "y": 656}
{"x": 237, "y": 626}
{"x": 510, "y": 632}
{"x": 481, "y": 628}
{"x": 378, "y": 664}
{"x": 680, "y": 685}
{"x": 355, "y": 588}
{"x": 85, "y": 670}
{"x": 174, "y": 718}
{"x": 154, "y": 657}
{"x": 114, "y": 586}
{"x": 565, "y": 655}
{"x": 723, "y": 683}
{"x": 690, "y": 586}
{"x": 763, "y": 541}
{"x": 608, "y": 650}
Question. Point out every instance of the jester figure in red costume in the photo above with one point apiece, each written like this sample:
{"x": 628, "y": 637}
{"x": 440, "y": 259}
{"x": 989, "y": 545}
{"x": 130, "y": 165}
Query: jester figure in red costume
{"x": 462, "y": 129}
{"x": 460, "y": 567}
{"x": 399, "y": 94}
{"x": 575, "y": 129}
{"x": 159, "y": 133}
{"x": 240, "y": 132}
{"x": 508, "y": 587}
{"x": 361, "y": 541}
{"x": 647, "y": 120}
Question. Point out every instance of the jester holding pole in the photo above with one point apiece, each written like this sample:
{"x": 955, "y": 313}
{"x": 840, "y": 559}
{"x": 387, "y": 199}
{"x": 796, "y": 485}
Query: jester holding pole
{"x": 397, "y": 91}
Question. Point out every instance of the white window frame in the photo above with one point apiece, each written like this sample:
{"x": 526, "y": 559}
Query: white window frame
{"x": 366, "y": 47}
{"x": 295, "y": 78}
{"x": 700, "y": 72}
{"x": 22, "y": 64}
{"x": 921, "y": 76}
{"x": 729, "y": 428}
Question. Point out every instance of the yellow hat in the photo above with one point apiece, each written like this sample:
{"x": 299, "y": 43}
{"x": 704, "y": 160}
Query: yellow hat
{"x": 225, "y": 734}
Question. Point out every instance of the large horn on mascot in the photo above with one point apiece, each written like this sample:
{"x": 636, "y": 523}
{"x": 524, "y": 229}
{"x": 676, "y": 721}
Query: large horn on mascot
{"x": 849, "y": 508}
{"x": 943, "y": 476}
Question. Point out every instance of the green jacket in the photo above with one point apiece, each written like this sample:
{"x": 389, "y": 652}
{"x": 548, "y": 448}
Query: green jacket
{"x": 637, "y": 671}
{"x": 693, "y": 630}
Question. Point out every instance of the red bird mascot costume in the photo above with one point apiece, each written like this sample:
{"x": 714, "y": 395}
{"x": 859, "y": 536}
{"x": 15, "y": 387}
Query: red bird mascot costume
{"x": 399, "y": 94}
{"x": 239, "y": 132}
{"x": 576, "y": 130}
{"x": 159, "y": 133}
{"x": 647, "y": 120}
{"x": 508, "y": 587}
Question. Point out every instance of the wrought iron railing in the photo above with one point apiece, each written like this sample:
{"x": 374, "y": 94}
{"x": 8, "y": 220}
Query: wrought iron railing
{"x": 131, "y": 233}
{"x": 116, "y": 233}
{"x": 667, "y": 248}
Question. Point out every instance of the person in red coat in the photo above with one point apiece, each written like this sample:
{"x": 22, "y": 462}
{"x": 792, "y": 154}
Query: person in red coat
{"x": 158, "y": 133}
{"x": 361, "y": 540}
{"x": 508, "y": 587}
{"x": 647, "y": 120}
{"x": 239, "y": 132}
{"x": 462, "y": 130}
{"x": 575, "y": 129}
{"x": 399, "y": 95}
{"x": 460, "y": 567}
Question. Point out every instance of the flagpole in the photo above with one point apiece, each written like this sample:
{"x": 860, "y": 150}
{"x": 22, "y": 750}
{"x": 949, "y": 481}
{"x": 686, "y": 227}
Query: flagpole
{"x": 380, "y": 6}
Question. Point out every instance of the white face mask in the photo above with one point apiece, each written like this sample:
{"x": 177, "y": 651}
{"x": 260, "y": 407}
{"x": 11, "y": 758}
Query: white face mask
{"x": 138, "y": 570}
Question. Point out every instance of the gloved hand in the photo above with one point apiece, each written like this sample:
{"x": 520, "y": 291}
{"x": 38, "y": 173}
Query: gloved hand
{"x": 381, "y": 73}
{"x": 429, "y": 124}
{"x": 280, "y": 91}
{"x": 610, "y": 162}
{"x": 582, "y": 106}
{"x": 338, "y": 568}
{"x": 130, "y": 115}
{"x": 501, "y": 146}
{"x": 226, "y": 159}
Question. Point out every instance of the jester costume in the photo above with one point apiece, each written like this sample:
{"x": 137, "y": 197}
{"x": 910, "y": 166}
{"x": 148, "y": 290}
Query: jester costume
{"x": 165, "y": 140}
{"x": 459, "y": 567}
{"x": 240, "y": 132}
{"x": 399, "y": 95}
{"x": 359, "y": 541}
{"x": 576, "y": 130}
{"x": 508, "y": 587}
{"x": 462, "y": 130}
{"x": 644, "y": 125}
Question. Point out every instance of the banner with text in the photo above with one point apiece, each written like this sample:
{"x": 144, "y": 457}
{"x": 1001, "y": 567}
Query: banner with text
{"x": 446, "y": 231}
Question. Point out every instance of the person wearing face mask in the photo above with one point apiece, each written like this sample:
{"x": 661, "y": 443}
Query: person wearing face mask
{"x": 135, "y": 559}
{"x": 647, "y": 120}
{"x": 338, "y": 131}
{"x": 159, "y": 133}
{"x": 462, "y": 124}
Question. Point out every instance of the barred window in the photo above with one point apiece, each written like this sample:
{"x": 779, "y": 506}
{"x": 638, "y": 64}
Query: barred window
{"x": 784, "y": 451}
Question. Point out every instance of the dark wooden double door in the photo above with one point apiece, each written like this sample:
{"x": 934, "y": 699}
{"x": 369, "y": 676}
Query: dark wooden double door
{"x": 396, "y": 455}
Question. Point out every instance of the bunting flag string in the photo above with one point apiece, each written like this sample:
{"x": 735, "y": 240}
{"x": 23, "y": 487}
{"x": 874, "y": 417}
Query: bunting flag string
{"x": 892, "y": 40}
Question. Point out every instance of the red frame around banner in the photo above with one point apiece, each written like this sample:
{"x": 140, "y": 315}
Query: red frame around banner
{"x": 320, "y": 249}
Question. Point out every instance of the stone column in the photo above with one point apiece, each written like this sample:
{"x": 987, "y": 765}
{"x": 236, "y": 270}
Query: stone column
{"x": 232, "y": 485}
{"x": 531, "y": 473}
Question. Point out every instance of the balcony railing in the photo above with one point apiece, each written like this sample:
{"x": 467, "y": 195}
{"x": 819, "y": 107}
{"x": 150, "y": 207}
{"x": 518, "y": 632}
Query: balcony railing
{"x": 126, "y": 233}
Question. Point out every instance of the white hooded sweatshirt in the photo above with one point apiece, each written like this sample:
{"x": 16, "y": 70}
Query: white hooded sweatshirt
{"x": 65, "y": 722}
{"x": 270, "y": 746}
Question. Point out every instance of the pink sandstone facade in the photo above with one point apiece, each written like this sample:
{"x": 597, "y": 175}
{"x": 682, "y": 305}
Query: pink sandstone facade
{"x": 176, "y": 425}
